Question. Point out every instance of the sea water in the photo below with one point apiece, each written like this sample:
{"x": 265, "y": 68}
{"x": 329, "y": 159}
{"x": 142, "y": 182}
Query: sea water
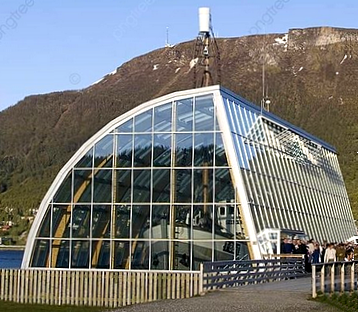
{"x": 11, "y": 259}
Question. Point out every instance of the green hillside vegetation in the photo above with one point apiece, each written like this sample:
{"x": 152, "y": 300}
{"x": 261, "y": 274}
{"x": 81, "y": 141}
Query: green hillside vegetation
{"x": 310, "y": 83}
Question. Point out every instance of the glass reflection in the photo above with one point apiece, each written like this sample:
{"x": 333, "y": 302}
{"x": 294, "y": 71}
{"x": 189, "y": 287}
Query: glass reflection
{"x": 61, "y": 254}
{"x": 82, "y": 186}
{"x": 161, "y": 186}
{"x": 124, "y": 150}
{"x": 126, "y": 127}
{"x": 220, "y": 154}
{"x": 141, "y": 186}
{"x": 124, "y": 185}
{"x": 100, "y": 254}
{"x": 143, "y": 122}
{"x": 61, "y": 217}
{"x": 140, "y": 255}
{"x": 204, "y": 113}
{"x": 80, "y": 254}
{"x": 142, "y": 150}
{"x": 204, "y": 149}
{"x": 163, "y": 118}
{"x": 160, "y": 221}
{"x": 184, "y": 114}
{"x": 224, "y": 190}
{"x": 122, "y": 221}
{"x": 101, "y": 221}
{"x": 140, "y": 221}
{"x": 121, "y": 255}
{"x": 202, "y": 222}
{"x": 162, "y": 150}
{"x": 203, "y": 186}
{"x": 182, "y": 181}
{"x": 40, "y": 253}
{"x": 63, "y": 195}
{"x": 102, "y": 192}
{"x": 45, "y": 225}
{"x": 86, "y": 161}
{"x": 81, "y": 216}
{"x": 103, "y": 155}
{"x": 183, "y": 149}
{"x": 160, "y": 255}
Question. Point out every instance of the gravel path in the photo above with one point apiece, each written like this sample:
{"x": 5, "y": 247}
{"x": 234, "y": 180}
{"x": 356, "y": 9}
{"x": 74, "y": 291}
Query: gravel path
{"x": 290, "y": 296}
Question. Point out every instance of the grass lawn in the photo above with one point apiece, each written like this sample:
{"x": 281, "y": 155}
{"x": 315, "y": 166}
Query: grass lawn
{"x": 347, "y": 302}
{"x": 19, "y": 307}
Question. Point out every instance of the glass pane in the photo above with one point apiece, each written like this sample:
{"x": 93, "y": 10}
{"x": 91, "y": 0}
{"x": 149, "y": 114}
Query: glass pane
{"x": 183, "y": 222}
{"x": 182, "y": 180}
{"x": 140, "y": 255}
{"x": 82, "y": 186}
{"x": 204, "y": 149}
{"x": 182, "y": 254}
{"x": 142, "y": 150}
{"x": 102, "y": 186}
{"x": 183, "y": 149}
{"x": 184, "y": 115}
{"x": 204, "y": 113}
{"x": 140, "y": 221}
{"x": 202, "y": 222}
{"x": 163, "y": 118}
{"x": 121, "y": 255}
{"x": 224, "y": 190}
{"x": 63, "y": 194}
{"x": 202, "y": 252}
{"x": 86, "y": 161}
{"x": 227, "y": 223}
{"x": 80, "y": 254}
{"x": 122, "y": 221}
{"x": 124, "y": 184}
{"x": 61, "y": 217}
{"x": 160, "y": 255}
{"x": 160, "y": 221}
{"x": 162, "y": 150}
{"x": 81, "y": 216}
{"x": 141, "y": 186}
{"x": 143, "y": 122}
{"x": 124, "y": 150}
{"x": 45, "y": 225}
{"x": 40, "y": 253}
{"x": 220, "y": 155}
{"x": 103, "y": 152}
{"x": 161, "y": 186}
{"x": 203, "y": 186}
{"x": 100, "y": 254}
{"x": 101, "y": 221}
{"x": 126, "y": 127}
{"x": 61, "y": 254}
{"x": 224, "y": 250}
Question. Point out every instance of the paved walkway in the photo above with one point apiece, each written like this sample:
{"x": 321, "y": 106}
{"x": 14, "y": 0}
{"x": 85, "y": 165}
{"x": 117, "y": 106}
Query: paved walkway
{"x": 290, "y": 296}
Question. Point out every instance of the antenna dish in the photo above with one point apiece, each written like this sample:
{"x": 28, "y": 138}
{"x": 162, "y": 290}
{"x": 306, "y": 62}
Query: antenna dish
{"x": 204, "y": 20}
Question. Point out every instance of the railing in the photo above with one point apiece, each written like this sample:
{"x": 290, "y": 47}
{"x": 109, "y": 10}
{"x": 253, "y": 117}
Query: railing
{"x": 236, "y": 273}
{"x": 334, "y": 277}
{"x": 96, "y": 288}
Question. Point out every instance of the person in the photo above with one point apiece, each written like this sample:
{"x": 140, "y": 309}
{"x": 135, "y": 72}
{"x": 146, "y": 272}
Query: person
{"x": 349, "y": 255}
{"x": 286, "y": 247}
{"x": 330, "y": 254}
{"x": 316, "y": 254}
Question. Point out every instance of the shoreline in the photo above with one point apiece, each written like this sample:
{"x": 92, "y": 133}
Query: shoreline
{"x": 12, "y": 247}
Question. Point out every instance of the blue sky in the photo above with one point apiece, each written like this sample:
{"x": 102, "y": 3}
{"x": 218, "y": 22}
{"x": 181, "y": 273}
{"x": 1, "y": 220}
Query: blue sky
{"x": 48, "y": 45}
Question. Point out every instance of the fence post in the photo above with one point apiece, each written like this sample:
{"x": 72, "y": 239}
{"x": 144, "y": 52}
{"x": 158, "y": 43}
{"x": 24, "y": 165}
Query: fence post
{"x": 314, "y": 290}
{"x": 352, "y": 276}
{"x": 332, "y": 277}
{"x": 342, "y": 278}
{"x": 201, "y": 279}
{"x": 323, "y": 270}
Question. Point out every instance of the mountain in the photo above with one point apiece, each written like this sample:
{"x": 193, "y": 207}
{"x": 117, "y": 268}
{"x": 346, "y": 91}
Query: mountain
{"x": 311, "y": 76}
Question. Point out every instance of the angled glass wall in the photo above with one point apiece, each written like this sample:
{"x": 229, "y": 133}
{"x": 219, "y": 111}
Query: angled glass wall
{"x": 155, "y": 192}
{"x": 292, "y": 180}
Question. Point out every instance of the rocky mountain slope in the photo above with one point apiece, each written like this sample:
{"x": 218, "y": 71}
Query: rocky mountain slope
{"x": 311, "y": 77}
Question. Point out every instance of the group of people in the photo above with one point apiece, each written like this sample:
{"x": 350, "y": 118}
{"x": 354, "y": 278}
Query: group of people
{"x": 318, "y": 253}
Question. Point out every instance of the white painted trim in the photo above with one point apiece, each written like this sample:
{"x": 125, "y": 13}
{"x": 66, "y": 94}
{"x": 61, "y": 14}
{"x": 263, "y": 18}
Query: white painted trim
{"x": 238, "y": 179}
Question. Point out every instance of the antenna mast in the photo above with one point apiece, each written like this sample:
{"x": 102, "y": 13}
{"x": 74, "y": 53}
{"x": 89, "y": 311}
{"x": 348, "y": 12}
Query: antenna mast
{"x": 206, "y": 49}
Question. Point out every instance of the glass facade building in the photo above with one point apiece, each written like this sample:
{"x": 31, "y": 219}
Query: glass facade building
{"x": 197, "y": 175}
